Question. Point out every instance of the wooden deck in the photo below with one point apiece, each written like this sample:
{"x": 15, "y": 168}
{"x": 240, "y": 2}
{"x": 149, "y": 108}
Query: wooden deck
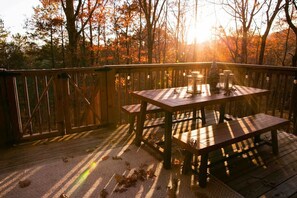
{"x": 259, "y": 172}
{"x": 253, "y": 174}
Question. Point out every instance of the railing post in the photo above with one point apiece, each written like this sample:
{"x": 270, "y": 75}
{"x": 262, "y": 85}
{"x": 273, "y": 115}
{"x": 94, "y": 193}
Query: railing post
{"x": 66, "y": 101}
{"x": 102, "y": 76}
{"x": 10, "y": 116}
{"x": 5, "y": 137}
{"x": 59, "y": 105}
{"x": 294, "y": 106}
{"x": 108, "y": 100}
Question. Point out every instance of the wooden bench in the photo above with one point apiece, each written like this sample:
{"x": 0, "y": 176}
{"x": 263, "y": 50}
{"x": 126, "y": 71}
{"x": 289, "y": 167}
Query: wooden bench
{"x": 207, "y": 139}
{"x": 133, "y": 111}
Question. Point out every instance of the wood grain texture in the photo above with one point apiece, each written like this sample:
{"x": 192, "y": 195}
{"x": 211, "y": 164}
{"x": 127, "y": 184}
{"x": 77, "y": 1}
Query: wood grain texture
{"x": 210, "y": 138}
{"x": 177, "y": 99}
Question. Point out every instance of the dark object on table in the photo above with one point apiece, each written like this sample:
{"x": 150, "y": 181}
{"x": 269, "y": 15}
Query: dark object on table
{"x": 213, "y": 78}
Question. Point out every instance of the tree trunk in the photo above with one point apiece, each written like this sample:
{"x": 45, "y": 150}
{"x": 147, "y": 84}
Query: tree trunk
{"x": 72, "y": 32}
{"x": 262, "y": 49}
{"x": 151, "y": 17}
{"x": 140, "y": 37}
{"x": 63, "y": 46}
{"x": 91, "y": 35}
{"x": 244, "y": 47}
{"x": 268, "y": 27}
{"x": 293, "y": 27}
{"x": 195, "y": 25}
{"x": 83, "y": 46}
{"x": 286, "y": 48}
{"x": 52, "y": 49}
{"x": 165, "y": 35}
{"x": 150, "y": 43}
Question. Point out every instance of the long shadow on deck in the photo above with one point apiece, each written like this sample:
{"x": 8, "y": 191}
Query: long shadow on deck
{"x": 256, "y": 173}
{"x": 259, "y": 172}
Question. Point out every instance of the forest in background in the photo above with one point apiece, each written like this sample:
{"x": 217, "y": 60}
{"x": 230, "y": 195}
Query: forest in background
{"x": 83, "y": 33}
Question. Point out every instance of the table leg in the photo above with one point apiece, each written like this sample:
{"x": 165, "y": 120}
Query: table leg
{"x": 222, "y": 113}
{"x": 203, "y": 170}
{"x": 203, "y": 116}
{"x": 131, "y": 123}
{"x": 254, "y": 108}
{"x": 274, "y": 142}
{"x": 140, "y": 123}
{"x": 193, "y": 126}
{"x": 168, "y": 140}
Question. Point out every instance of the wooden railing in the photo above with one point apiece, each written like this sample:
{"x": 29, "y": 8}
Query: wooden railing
{"x": 43, "y": 103}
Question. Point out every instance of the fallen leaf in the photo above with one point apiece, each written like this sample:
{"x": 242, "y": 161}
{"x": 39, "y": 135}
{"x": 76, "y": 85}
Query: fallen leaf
{"x": 141, "y": 174}
{"x": 128, "y": 166}
{"x": 24, "y": 183}
{"x": 119, "y": 178}
{"x": 117, "y": 158}
{"x": 151, "y": 173}
{"x": 90, "y": 150}
{"x": 127, "y": 150}
{"x": 63, "y": 195}
{"x": 176, "y": 162}
{"x": 103, "y": 193}
{"x": 120, "y": 190}
{"x": 105, "y": 158}
{"x": 65, "y": 159}
{"x": 142, "y": 165}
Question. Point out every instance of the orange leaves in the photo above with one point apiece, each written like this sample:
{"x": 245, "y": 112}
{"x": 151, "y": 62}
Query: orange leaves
{"x": 125, "y": 182}
{"x": 24, "y": 183}
{"x": 103, "y": 193}
{"x": 105, "y": 158}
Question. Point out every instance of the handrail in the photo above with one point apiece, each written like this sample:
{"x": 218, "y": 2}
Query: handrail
{"x": 258, "y": 67}
{"x": 140, "y": 66}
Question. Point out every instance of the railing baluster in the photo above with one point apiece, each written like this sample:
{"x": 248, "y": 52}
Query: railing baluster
{"x": 284, "y": 97}
{"x": 27, "y": 99}
{"x": 293, "y": 106}
{"x": 38, "y": 110}
{"x": 66, "y": 101}
{"x": 48, "y": 110}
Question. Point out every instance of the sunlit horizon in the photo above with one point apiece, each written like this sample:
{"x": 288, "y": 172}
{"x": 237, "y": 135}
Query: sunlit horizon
{"x": 15, "y": 12}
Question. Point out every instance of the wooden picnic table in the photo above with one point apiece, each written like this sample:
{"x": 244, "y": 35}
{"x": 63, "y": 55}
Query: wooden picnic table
{"x": 177, "y": 99}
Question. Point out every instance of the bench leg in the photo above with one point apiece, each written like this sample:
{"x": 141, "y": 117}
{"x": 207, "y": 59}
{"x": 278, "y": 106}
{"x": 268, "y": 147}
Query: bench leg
{"x": 222, "y": 113}
{"x": 193, "y": 126}
{"x": 131, "y": 123}
{"x": 203, "y": 116}
{"x": 203, "y": 170}
{"x": 168, "y": 140}
{"x": 187, "y": 162}
{"x": 274, "y": 142}
{"x": 140, "y": 123}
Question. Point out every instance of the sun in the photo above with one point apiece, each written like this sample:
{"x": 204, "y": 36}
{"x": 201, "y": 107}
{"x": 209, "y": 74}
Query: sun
{"x": 202, "y": 33}
{"x": 202, "y": 28}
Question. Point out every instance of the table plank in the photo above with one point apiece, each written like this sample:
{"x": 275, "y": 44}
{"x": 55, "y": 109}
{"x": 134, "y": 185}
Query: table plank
{"x": 176, "y": 99}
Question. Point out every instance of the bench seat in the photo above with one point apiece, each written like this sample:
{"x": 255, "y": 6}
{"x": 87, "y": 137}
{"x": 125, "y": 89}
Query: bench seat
{"x": 204, "y": 140}
{"x": 133, "y": 111}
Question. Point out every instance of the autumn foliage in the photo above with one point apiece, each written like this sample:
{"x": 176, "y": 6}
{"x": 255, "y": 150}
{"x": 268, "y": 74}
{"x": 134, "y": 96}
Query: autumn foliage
{"x": 68, "y": 33}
